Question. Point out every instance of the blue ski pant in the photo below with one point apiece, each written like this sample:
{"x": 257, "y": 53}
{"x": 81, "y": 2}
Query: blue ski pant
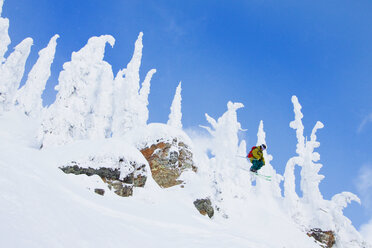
{"x": 257, "y": 164}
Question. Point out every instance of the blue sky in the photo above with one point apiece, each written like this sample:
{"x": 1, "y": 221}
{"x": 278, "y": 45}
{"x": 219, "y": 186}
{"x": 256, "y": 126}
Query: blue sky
{"x": 256, "y": 52}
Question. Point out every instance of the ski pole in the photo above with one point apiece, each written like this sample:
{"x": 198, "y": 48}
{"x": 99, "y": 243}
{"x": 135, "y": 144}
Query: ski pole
{"x": 241, "y": 156}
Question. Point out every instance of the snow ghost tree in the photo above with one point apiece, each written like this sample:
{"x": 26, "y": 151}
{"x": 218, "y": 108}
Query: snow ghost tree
{"x": 228, "y": 180}
{"x": 131, "y": 101}
{"x": 263, "y": 188}
{"x": 312, "y": 211}
{"x": 310, "y": 178}
{"x": 83, "y": 106}
{"x": 28, "y": 98}
{"x": 225, "y": 132}
{"x": 4, "y": 36}
{"x": 12, "y": 68}
{"x": 175, "y": 116}
{"x": 11, "y": 73}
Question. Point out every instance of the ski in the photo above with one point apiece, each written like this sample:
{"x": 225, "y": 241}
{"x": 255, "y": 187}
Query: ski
{"x": 267, "y": 178}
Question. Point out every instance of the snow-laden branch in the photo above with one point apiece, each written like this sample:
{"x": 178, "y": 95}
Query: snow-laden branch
{"x": 297, "y": 124}
{"x": 341, "y": 200}
{"x": 290, "y": 180}
{"x": 145, "y": 89}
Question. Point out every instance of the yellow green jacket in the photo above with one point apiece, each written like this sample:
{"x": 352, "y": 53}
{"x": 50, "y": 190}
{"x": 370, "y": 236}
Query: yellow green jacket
{"x": 257, "y": 154}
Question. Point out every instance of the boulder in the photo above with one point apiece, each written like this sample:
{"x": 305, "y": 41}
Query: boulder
{"x": 167, "y": 160}
{"x": 204, "y": 206}
{"x": 327, "y": 238}
{"x": 99, "y": 191}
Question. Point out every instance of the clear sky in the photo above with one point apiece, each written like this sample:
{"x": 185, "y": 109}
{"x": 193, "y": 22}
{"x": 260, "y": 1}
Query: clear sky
{"x": 258, "y": 52}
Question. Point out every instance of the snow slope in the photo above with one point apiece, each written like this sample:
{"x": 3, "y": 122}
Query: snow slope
{"x": 43, "y": 207}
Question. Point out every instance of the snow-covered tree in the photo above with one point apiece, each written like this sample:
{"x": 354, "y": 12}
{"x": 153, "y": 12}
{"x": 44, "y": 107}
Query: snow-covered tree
{"x": 131, "y": 101}
{"x": 83, "y": 107}
{"x": 28, "y": 98}
{"x": 175, "y": 116}
{"x": 225, "y": 132}
{"x": 11, "y": 73}
{"x": 4, "y": 36}
{"x": 229, "y": 181}
{"x": 264, "y": 188}
{"x": 306, "y": 158}
{"x": 311, "y": 210}
{"x": 310, "y": 178}
{"x": 12, "y": 68}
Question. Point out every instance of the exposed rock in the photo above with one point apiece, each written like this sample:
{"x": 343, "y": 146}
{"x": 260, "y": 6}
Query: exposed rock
{"x": 204, "y": 206}
{"x": 327, "y": 238}
{"x": 167, "y": 160}
{"x": 99, "y": 191}
{"x": 134, "y": 175}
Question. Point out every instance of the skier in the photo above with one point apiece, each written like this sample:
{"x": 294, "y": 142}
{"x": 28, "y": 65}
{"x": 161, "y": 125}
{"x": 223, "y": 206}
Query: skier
{"x": 256, "y": 157}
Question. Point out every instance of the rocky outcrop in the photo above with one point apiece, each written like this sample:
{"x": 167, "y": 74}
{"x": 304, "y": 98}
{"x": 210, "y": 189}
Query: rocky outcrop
{"x": 326, "y": 238}
{"x": 120, "y": 182}
{"x": 204, "y": 206}
{"x": 167, "y": 160}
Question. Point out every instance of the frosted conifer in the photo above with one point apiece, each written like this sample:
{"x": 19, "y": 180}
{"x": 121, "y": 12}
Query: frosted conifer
{"x": 264, "y": 188}
{"x": 175, "y": 116}
{"x": 28, "y": 98}
{"x": 11, "y": 73}
{"x": 82, "y": 109}
{"x": 4, "y": 36}
{"x": 130, "y": 101}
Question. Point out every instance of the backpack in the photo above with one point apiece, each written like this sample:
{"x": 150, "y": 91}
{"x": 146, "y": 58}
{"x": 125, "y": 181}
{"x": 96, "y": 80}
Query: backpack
{"x": 250, "y": 153}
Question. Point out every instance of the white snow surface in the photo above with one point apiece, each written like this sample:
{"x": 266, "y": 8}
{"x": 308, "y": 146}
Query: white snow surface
{"x": 43, "y": 207}
{"x": 153, "y": 133}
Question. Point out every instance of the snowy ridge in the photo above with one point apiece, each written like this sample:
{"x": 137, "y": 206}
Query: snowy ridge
{"x": 98, "y": 119}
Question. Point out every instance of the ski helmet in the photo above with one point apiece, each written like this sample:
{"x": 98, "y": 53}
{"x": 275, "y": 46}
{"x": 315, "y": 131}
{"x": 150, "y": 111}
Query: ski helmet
{"x": 263, "y": 147}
